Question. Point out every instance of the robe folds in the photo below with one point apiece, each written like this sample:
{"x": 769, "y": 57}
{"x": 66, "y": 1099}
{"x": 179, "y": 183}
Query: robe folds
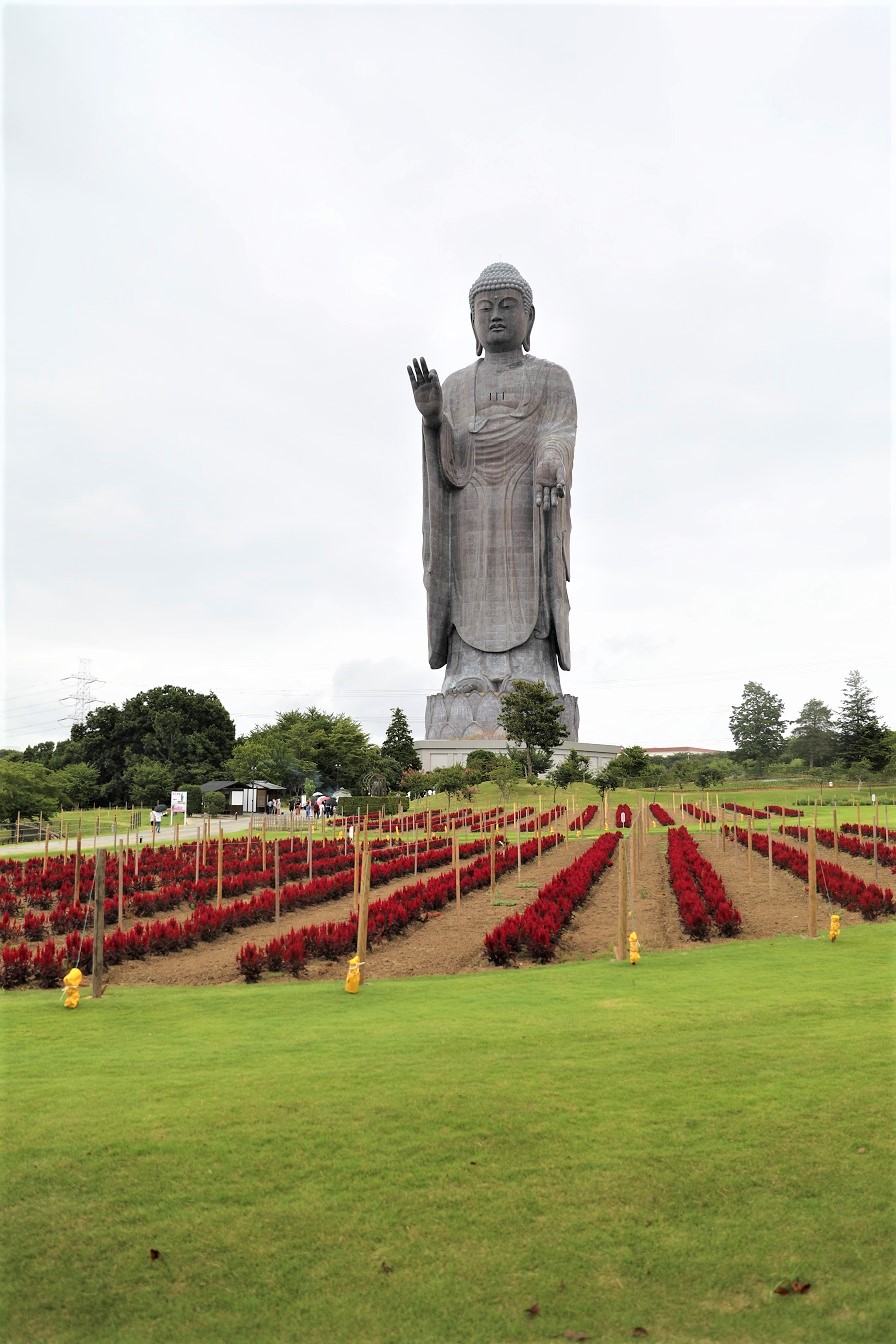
{"x": 495, "y": 566}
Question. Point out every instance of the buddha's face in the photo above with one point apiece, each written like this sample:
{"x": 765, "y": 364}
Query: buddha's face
{"x": 501, "y": 320}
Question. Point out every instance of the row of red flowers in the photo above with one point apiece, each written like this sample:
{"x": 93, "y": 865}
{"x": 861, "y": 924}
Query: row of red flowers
{"x": 742, "y": 811}
{"x": 242, "y": 877}
{"x": 68, "y": 917}
{"x": 659, "y": 813}
{"x": 849, "y": 844}
{"x": 584, "y": 818}
{"x": 537, "y": 929}
{"x": 851, "y": 828}
{"x": 385, "y": 918}
{"x": 778, "y": 811}
{"x": 851, "y": 892}
{"x": 694, "y": 811}
{"x": 699, "y": 891}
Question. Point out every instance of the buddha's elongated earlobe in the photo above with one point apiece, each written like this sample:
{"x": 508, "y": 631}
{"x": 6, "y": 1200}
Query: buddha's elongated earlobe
{"x": 528, "y": 336}
{"x": 473, "y": 325}
{"x": 478, "y": 347}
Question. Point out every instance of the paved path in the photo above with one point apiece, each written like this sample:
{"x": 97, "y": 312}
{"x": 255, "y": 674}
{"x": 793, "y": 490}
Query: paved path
{"x": 190, "y": 830}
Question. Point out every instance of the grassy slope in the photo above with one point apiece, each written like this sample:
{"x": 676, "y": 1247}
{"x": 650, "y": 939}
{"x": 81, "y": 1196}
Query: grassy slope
{"x": 666, "y": 1141}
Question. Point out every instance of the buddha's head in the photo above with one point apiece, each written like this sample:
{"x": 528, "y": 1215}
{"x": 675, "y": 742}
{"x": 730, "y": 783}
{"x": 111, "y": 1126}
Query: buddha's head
{"x": 501, "y": 309}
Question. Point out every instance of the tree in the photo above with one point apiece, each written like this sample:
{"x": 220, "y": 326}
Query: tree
{"x": 331, "y": 747}
{"x": 27, "y": 788}
{"x": 78, "y": 784}
{"x": 479, "y": 764}
{"x": 505, "y": 773}
{"x": 757, "y": 724}
{"x": 629, "y": 766}
{"x": 452, "y": 779}
{"x": 709, "y": 773}
{"x": 573, "y": 769}
{"x": 531, "y": 716}
{"x": 398, "y": 744}
{"x": 149, "y": 781}
{"x": 189, "y": 732}
{"x": 813, "y": 736}
{"x": 860, "y": 734}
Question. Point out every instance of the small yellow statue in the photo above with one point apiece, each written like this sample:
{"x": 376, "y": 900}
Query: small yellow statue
{"x": 353, "y": 978}
{"x": 72, "y": 983}
{"x": 634, "y": 948}
{"x": 834, "y": 930}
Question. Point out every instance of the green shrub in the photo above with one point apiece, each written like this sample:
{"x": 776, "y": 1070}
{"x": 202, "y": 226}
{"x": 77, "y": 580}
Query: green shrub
{"x": 214, "y": 804}
{"x": 390, "y": 803}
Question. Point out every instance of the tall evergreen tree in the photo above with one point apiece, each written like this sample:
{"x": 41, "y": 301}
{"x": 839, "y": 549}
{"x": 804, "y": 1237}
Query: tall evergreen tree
{"x": 860, "y": 734}
{"x": 813, "y": 735}
{"x": 398, "y": 744}
{"x": 757, "y": 724}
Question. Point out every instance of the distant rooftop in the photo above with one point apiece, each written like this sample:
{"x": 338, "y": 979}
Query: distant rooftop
{"x": 682, "y": 751}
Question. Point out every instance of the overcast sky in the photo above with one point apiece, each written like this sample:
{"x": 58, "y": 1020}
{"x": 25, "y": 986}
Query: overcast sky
{"x": 227, "y": 231}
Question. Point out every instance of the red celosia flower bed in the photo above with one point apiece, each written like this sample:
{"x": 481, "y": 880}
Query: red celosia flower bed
{"x": 699, "y": 891}
{"x": 742, "y": 811}
{"x": 851, "y": 892}
{"x": 849, "y": 844}
{"x": 659, "y": 813}
{"x": 582, "y": 820}
{"x": 778, "y": 811}
{"x": 392, "y": 914}
{"x": 694, "y": 811}
{"x": 851, "y": 828}
{"x": 537, "y": 929}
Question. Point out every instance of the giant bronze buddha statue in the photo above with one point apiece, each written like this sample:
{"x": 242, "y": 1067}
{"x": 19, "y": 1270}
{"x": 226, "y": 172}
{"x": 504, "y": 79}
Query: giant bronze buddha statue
{"x": 498, "y": 443}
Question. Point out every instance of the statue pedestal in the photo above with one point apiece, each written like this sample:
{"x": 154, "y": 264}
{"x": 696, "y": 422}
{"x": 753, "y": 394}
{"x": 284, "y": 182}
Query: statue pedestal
{"x": 474, "y": 715}
{"x": 454, "y": 751}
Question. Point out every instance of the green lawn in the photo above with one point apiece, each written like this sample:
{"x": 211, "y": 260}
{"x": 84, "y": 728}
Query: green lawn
{"x": 653, "y": 1147}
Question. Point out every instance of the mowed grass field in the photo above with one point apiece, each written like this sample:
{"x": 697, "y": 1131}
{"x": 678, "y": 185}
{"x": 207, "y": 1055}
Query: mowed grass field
{"x": 620, "y": 1147}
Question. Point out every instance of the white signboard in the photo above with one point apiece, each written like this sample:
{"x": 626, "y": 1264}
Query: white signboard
{"x": 179, "y": 803}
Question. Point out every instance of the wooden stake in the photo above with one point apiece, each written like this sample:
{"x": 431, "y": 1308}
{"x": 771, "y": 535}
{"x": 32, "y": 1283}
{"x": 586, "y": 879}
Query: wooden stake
{"x": 874, "y": 834}
{"x": 813, "y": 886}
{"x": 196, "y": 874}
{"x": 771, "y": 865}
{"x": 264, "y": 844}
{"x": 836, "y": 840}
{"x": 750, "y": 848}
{"x": 310, "y": 851}
{"x": 456, "y": 857}
{"x": 277, "y": 886}
{"x": 120, "y": 888}
{"x": 356, "y": 884}
{"x": 220, "y": 887}
{"x": 622, "y": 932}
{"x": 491, "y": 855}
{"x": 46, "y": 849}
{"x": 363, "y": 908}
{"x": 99, "y": 922}
{"x": 249, "y": 837}
{"x": 519, "y": 852}
{"x": 77, "y": 882}
{"x": 18, "y": 825}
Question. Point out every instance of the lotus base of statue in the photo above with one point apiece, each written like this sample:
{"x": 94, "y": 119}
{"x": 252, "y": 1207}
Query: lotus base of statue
{"x": 474, "y": 714}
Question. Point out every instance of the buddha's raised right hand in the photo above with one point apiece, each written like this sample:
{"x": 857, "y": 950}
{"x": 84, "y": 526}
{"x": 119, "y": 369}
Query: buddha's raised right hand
{"x": 427, "y": 392}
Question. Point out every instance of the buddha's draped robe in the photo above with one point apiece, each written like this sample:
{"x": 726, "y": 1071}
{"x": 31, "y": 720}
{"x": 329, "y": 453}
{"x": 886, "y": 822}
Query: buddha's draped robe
{"x": 495, "y": 566}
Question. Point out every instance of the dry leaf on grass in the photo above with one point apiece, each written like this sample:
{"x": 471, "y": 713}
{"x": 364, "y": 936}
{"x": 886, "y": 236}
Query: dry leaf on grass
{"x": 533, "y": 1310}
{"x": 154, "y": 1254}
{"x": 386, "y": 1268}
{"x": 788, "y": 1286}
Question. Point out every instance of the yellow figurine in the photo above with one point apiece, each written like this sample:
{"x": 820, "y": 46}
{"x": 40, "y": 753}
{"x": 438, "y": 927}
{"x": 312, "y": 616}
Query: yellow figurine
{"x": 634, "y": 948}
{"x": 353, "y": 978}
{"x": 834, "y": 930}
{"x": 72, "y": 981}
